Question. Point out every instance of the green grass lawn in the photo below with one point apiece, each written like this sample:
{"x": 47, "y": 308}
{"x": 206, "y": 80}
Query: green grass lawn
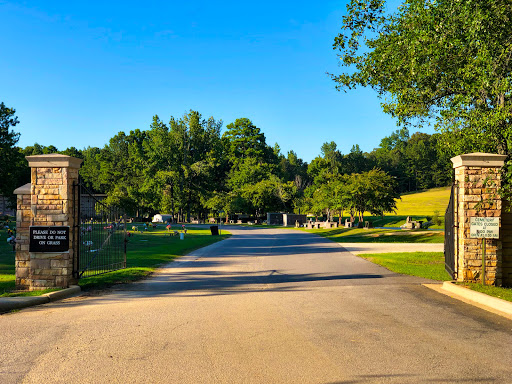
{"x": 424, "y": 203}
{"x": 361, "y": 235}
{"x": 148, "y": 251}
{"x": 429, "y": 265}
{"x": 7, "y": 257}
{"x": 398, "y": 220}
{"x": 499, "y": 292}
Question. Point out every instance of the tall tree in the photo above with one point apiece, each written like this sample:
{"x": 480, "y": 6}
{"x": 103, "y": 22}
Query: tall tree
{"x": 445, "y": 61}
{"x": 163, "y": 168}
{"x": 355, "y": 161}
{"x": 243, "y": 139}
{"x": 121, "y": 172}
{"x": 374, "y": 191}
{"x": 12, "y": 160}
{"x": 91, "y": 169}
{"x": 184, "y": 162}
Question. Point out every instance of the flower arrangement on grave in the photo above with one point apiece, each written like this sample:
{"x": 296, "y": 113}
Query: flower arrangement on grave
{"x": 12, "y": 241}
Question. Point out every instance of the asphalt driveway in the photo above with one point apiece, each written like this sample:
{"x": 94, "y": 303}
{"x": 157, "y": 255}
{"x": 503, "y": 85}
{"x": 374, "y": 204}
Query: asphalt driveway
{"x": 264, "y": 306}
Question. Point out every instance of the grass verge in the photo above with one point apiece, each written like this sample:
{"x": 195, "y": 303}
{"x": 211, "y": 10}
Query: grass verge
{"x": 7, "y": 256}
{"x": 429, "y": 265}
{"x": 150, "y": 250}
{"x": 396, "y": 220}
{"x": 29, "y": 293}
{"x": 361, "y": 235}
{"x": 499, "y": 292}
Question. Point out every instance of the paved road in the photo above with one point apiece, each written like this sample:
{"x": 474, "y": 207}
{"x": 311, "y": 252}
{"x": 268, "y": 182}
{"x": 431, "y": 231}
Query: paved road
{"x": 265, "y": 306}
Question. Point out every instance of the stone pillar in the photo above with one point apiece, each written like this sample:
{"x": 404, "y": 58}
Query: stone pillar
{"x": 478, "y": 178}
{"x": 51, "y": 204}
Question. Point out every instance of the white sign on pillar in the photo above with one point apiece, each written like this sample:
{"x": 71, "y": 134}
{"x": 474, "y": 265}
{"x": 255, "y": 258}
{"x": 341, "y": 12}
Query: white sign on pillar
{"x": 484, "y": 227}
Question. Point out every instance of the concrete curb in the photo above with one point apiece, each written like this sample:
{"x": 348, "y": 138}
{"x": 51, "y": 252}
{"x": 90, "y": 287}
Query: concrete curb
{"x": 11, "y": 303}
{"x": 63, "y": 293}
{"x": 481, "y": 300}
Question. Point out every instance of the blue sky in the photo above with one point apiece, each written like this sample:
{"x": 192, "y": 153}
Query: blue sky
{"x": 79, "y": 72}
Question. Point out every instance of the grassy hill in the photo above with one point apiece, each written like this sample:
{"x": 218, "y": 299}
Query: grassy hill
{"x": 429, "y": 205}
{"x": 424, "y": 202}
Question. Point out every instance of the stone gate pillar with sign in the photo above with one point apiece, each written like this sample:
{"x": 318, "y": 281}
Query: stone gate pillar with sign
{"x": 478, "y": 180}
{"x": 44, "y": 248}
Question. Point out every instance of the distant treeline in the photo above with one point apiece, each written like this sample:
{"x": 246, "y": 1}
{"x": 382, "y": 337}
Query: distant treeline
{"x": 186, "y": 166}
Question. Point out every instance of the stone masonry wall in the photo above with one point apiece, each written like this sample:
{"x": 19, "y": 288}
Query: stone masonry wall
{"x": 23, "y": 220}
{"x": 478, "y": 197}
{"x": 52, "y": 205}
{"x": 46, "y": 201}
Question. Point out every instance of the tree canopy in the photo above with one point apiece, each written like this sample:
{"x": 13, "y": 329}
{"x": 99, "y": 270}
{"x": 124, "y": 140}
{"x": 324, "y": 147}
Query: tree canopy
{"x": 11, "y": 168}
{"x": 186, "y": 167}
{"x": 444, "y": 61}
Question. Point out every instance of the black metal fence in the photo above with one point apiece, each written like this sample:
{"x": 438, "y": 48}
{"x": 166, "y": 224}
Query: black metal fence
{"x": 449, "y": 234}
{"x": 99, "y": 235}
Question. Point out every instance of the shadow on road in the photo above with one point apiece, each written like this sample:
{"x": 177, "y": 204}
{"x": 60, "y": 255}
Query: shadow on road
{"x": 212, "y": 283}
{"x": 224, "y": 272}
{"x": 215, "y": 280}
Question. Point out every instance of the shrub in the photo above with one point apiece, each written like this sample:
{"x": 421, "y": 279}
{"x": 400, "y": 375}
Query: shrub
{"x": 436, "y": 219}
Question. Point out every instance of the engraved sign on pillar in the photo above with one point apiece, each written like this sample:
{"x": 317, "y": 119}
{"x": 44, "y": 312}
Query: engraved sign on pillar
{"x": 484, "y": 227}
{"x": 49, "y": 239}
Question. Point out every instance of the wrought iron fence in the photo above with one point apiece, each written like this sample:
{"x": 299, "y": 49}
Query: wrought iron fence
{"x": 99, "y": 235}
{"x": 449, "y": 234}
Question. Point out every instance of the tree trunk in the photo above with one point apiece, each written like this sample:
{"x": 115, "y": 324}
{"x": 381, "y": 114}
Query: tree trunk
{"x": 172, "y": 202}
